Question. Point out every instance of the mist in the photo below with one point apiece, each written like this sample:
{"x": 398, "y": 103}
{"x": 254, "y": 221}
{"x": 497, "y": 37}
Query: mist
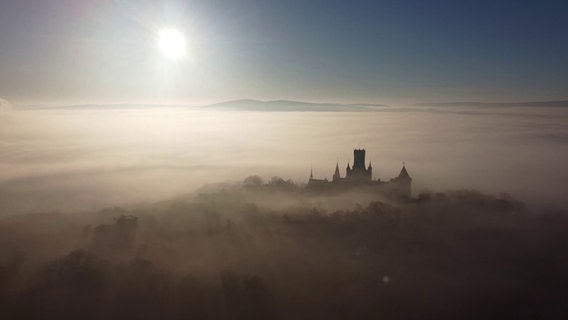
{"x": 272, "y": 250}
{"x": 178, "y": 213}
{"x": 74, "y": 160}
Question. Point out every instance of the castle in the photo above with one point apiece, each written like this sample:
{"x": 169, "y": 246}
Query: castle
{"x": 360, "y": 176}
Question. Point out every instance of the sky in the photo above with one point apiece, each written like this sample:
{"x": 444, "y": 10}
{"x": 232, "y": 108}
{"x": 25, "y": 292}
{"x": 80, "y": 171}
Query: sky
{"x": 61, "y": 52}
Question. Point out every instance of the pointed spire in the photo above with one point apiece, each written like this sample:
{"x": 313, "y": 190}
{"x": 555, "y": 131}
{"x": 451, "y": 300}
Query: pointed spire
{"x": 403, "y": 173}
{"x": 336, "y": 175}
{"x": 348, "y": 167}
{"x": 370, "y": 166}
{"x": 311, "y": 173}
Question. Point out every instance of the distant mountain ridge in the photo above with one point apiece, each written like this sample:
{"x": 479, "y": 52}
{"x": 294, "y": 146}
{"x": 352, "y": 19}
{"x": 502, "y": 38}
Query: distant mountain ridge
{"x": 555, "y": 104}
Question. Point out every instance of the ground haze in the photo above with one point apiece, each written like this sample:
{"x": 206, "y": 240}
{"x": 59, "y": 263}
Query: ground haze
{"x": 67, "y": 160}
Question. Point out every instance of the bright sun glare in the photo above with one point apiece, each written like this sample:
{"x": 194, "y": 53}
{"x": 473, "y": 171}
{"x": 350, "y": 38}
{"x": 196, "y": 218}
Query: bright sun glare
{"x": 172, "y": 43}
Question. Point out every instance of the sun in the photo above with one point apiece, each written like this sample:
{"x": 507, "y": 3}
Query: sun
{"x": 172, "y": 43}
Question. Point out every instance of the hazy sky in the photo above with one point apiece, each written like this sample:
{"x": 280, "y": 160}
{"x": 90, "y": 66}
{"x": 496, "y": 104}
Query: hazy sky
{"x": 388, "y": 51}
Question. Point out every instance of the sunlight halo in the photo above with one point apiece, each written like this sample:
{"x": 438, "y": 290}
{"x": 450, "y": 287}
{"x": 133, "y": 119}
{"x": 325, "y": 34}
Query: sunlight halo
{"x": 172, "y": 43}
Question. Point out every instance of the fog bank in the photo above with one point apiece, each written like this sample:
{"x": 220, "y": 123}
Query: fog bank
{"x": 66, "y": 160}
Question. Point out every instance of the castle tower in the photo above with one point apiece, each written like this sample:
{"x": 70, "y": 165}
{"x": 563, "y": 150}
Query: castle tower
{"x": 359, "y": 159}
{"x": 403, "y": 175}
{"x": 336, "y": 175}
{"x": 403, "y": 182}
{"x": 358, "y": 172}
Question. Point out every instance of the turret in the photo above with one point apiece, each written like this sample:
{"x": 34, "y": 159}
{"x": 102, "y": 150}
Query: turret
{"x": 336, "y": 175}
{"x": 403, "y": 175}
{"x": 403, "y": 182}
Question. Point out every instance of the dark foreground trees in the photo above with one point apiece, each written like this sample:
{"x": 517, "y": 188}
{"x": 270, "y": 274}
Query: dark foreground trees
{"x": 457, "y": 255}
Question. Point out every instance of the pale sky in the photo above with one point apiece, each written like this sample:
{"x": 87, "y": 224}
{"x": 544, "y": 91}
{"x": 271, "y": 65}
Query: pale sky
{"x": 58, "y": 52}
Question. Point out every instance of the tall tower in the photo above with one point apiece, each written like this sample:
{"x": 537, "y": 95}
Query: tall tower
{"x": 359, "y": 172}
{"x": 359, "y": 159}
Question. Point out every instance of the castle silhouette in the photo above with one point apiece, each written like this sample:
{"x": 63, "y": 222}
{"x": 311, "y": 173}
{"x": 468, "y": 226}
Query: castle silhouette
{"x": 360, "y": 176}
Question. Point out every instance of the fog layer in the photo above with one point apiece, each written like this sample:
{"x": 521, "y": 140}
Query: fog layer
{"x": 66, "y": 160}
{"x": 270, "y": 251}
